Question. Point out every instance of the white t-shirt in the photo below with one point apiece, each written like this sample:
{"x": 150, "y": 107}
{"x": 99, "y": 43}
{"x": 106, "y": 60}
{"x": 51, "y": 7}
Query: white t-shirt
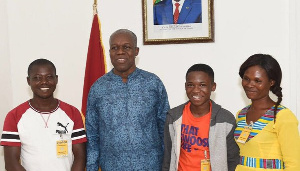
{"x": 38, "y": 132}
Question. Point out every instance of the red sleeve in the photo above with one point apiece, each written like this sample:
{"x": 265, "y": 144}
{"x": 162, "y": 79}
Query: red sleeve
{"x": 10, "y": 135}
{"x": 78, "y": 132}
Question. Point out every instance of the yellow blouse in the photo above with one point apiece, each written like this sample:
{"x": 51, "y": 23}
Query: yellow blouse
{"x": 280, "y": 141}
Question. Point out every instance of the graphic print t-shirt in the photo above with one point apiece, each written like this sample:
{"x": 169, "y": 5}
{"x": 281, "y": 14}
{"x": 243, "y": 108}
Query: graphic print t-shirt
{"x": 194, "y": 140}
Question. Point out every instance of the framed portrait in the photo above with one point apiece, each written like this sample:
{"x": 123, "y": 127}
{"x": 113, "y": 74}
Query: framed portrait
{"x": 177, "y": 21}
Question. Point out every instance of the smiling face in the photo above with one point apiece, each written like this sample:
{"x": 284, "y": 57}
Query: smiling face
{"x": 256, "y": 83}
{"x": 42, "y": 80}
{"x": 198, "y": 88}
{"x": 122, "y": 52}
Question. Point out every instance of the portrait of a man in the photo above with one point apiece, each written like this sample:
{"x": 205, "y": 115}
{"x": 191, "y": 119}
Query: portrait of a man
{"x": 177, "y": 12}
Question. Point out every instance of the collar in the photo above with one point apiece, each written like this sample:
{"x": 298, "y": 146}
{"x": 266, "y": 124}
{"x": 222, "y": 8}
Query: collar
{"x": 130, "y": 76}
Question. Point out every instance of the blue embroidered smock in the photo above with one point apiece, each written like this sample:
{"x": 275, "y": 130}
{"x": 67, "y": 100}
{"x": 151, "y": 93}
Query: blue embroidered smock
{"x": 125, "y": 122}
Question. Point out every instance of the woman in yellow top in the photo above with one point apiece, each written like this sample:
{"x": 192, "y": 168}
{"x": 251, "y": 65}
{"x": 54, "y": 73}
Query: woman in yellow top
{"x": 267, "y": 132}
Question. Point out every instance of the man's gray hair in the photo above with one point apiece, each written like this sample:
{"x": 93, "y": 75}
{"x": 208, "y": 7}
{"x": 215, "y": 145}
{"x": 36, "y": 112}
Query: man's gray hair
{"x": 126, "y": 31}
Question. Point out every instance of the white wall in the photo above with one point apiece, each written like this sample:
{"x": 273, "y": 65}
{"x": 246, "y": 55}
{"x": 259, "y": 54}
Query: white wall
{"x": 5, "y": 74}
{"x": 294, "y": 56}
{"x": 59, "y": 31}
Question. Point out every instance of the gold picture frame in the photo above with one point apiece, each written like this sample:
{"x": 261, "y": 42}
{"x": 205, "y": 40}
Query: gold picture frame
{"x": 196, "y": 25}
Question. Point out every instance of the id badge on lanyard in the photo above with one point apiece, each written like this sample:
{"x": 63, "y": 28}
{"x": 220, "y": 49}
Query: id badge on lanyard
{"x": 205, "y": 163}
{"x": 61, "y": 147}
{"x": 245, "y": 133}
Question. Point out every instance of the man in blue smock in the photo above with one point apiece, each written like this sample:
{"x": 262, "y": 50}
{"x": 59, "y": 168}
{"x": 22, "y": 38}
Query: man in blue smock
{"x": 126, "y": 112}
